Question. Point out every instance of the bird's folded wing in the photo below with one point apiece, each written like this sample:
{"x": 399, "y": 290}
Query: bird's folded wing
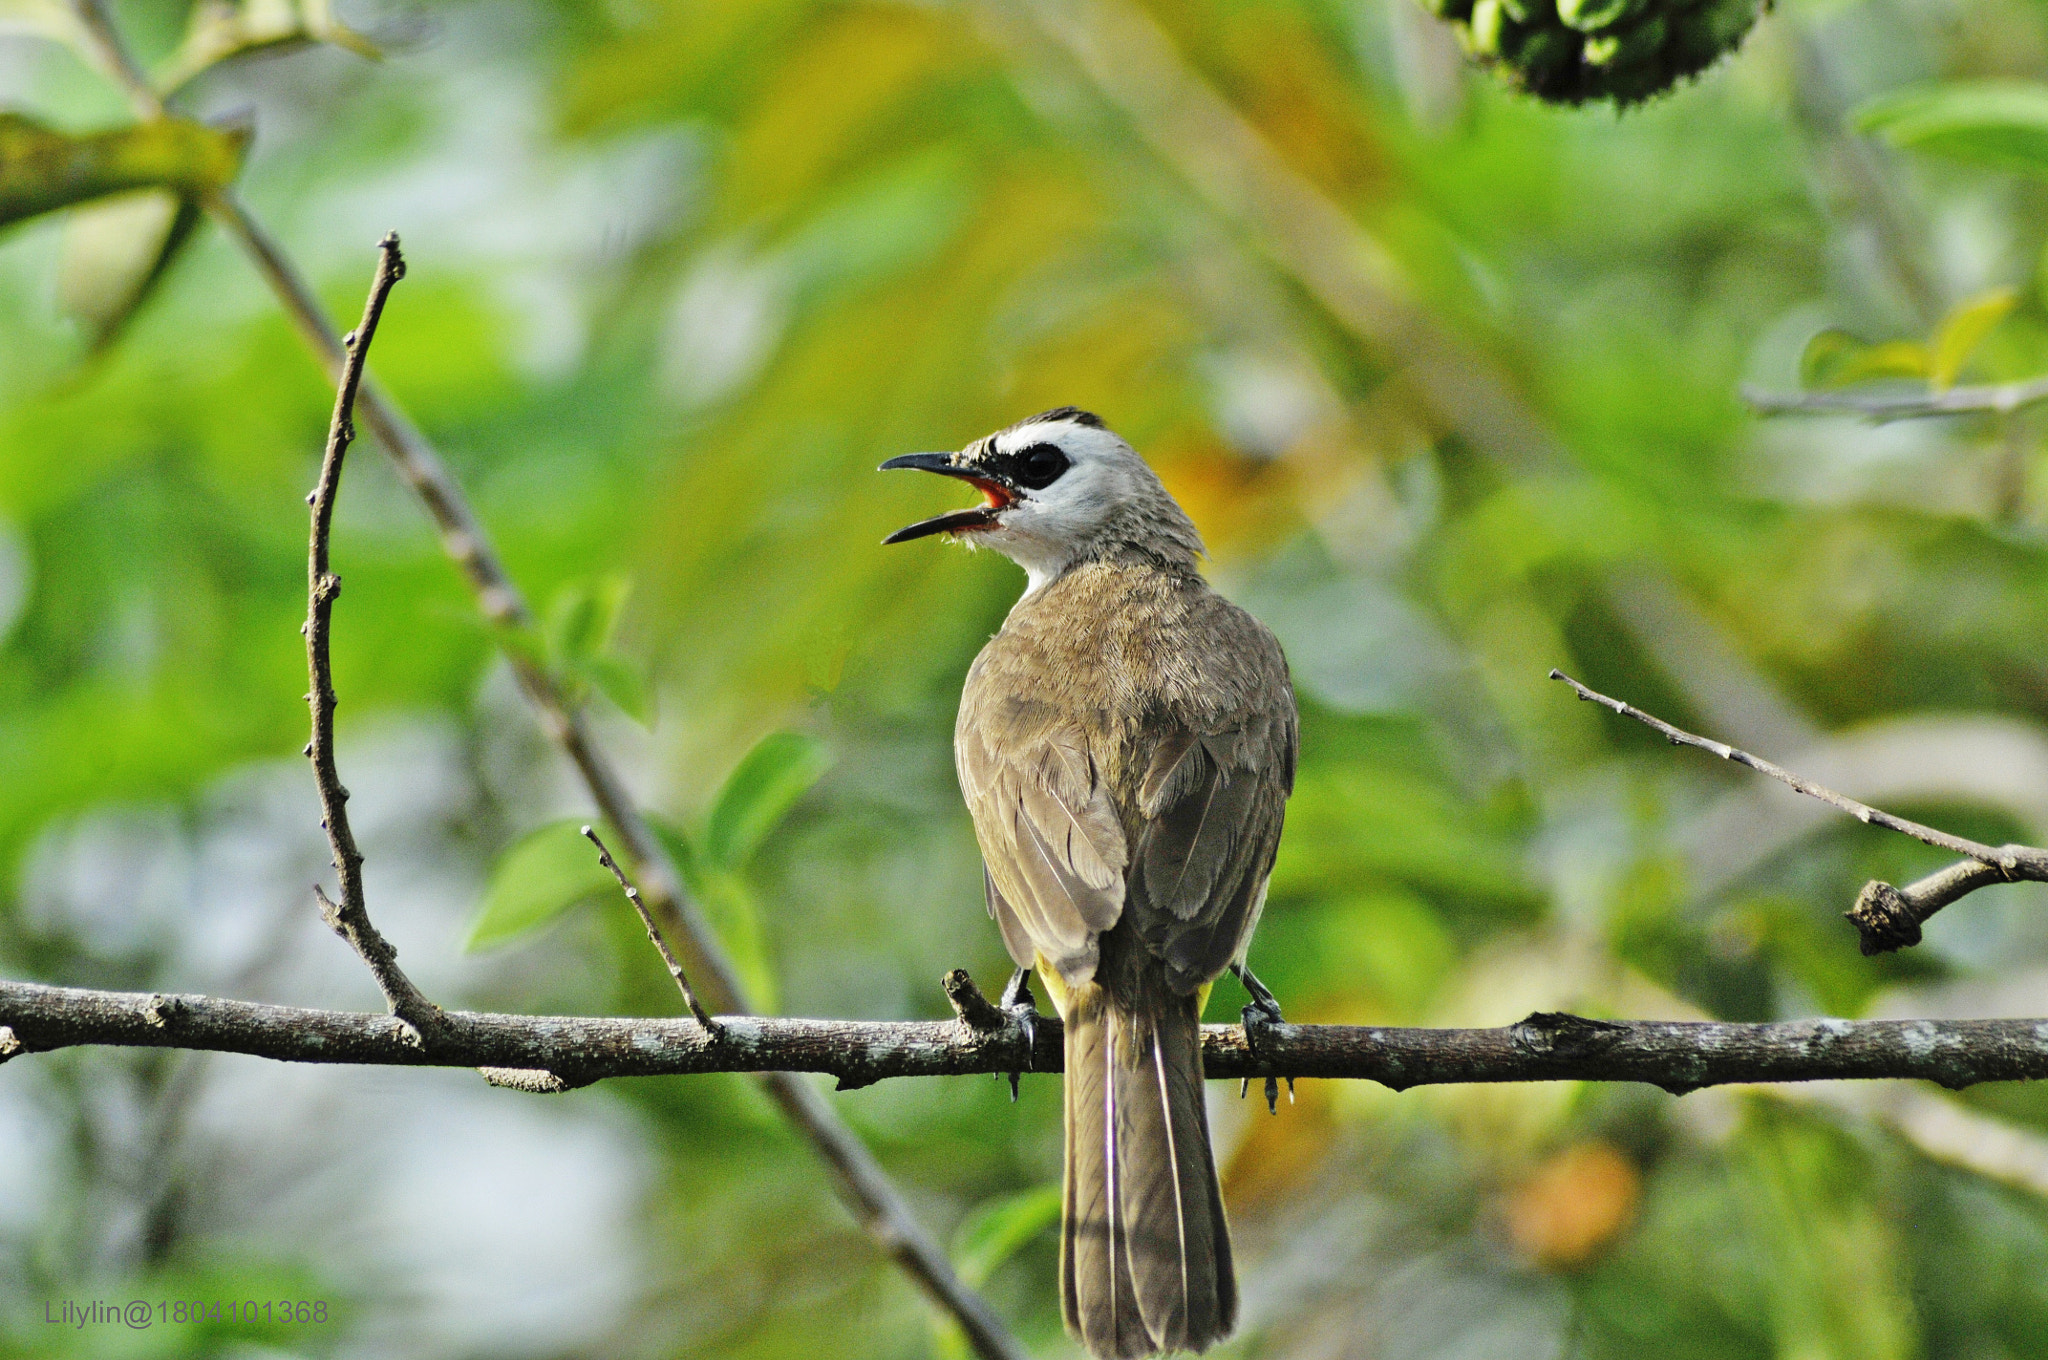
{"x": 1212, "y": 806}
{"x": 1050, "y": 839}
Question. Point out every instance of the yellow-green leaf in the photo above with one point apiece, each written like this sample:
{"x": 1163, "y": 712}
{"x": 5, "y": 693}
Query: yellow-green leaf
{"x": 759, "y": 793}
{"x": 2002, "y": 123}
{"x": 116, "y": 251}
{"x": 623, "y": 683}
{"x": 1835, "y": 358}
{"x": 42, "y": 169}
{"x": 998, "y": 1228}
{"x": 1963, "y": 329}
{"x": 583, "y": 615}
{"x": 535, "y": 881}
{"x": 42, "y": 19}
{"x": 220, "y": 31}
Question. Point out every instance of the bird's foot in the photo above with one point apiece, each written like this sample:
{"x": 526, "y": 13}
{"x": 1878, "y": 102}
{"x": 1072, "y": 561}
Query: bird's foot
{"x": 1259, "y": 1014}
{"x": 1263, "y": 1002}
{"x": 1020, "y": 1006}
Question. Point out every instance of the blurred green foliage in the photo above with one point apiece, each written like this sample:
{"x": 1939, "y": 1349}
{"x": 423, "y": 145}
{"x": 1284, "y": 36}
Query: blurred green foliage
{"x": 684, "y": 273}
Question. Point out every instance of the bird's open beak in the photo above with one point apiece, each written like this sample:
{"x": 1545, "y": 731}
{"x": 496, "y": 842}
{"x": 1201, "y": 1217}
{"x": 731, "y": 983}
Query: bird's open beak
{"x": 982, "y": 516}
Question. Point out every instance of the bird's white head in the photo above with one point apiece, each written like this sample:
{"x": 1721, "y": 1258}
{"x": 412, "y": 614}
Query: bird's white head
{"x": 1060, "y": 490}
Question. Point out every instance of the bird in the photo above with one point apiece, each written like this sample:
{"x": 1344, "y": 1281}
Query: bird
{"x": 1126, "y": 745}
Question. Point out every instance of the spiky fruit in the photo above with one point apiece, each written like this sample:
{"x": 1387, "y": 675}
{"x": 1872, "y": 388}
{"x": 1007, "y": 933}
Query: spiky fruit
{"x": 1575, "y": 51}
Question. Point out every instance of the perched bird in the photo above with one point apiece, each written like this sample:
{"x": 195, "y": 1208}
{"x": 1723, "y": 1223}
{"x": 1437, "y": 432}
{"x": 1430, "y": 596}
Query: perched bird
{"x": 1126, "y": 745}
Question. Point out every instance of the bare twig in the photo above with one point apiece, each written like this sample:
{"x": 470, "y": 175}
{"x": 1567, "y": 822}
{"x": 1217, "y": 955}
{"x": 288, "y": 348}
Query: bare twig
{"x": 675, "y": 970}
{"x": 976, "y": 1011}
{"x": 1991, "y": 399}
{"x": 349, "y": 917}
{"x": 1890, "y": 918}
{"x": 2006, "y": 858}
{"x": 863, "y": 1186}
{"x": 1887, "y": 918}
{"x": 1676, "y": 1056}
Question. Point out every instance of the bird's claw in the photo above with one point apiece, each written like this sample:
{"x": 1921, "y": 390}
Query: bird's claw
{"x": 1260, "y": 1012}
{"x": 1018, "y": 1003}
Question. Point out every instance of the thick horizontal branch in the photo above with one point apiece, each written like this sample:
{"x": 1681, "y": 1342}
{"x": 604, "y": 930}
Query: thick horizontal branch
{"x": 1994, "y": 399}
{"x": 560, "y": 1052}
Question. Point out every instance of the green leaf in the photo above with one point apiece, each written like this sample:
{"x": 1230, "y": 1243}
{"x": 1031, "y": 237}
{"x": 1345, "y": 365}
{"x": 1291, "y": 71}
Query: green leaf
{"x": 1963, "y": 329}
{"x": 42, "y": 19}
{"x": 732, "y": 910}
{"x": 116, "y": 251}
{"x": 42, "y": 170}
{"x": 535, "y": 881}
{"x": 221, "y": 31}
{"x": 1835, "y": 358}
{"x": 622, "y": 683}
{"x": 759, "y": 793}
{"x": 999, "y": 1228}
{"x": 583, "y": 615}
{"x": 2002, "y": 123}
{"x": 525, "y": 642}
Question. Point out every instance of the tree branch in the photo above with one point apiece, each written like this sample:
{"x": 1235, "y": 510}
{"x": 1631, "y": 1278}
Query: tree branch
{"x": 866, "y": 1191}
{"x": 1676, "y": 1056}
{"x": 1886, "y": 917}
{"x": 350, "y": 917}
{"x": 1992, "y": 399}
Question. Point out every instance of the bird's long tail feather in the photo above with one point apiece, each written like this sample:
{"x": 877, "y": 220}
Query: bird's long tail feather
{"x": 1144, "y": 1249}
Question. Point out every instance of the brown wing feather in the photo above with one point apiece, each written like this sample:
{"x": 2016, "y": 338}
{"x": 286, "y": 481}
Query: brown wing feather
{"x": 1016, "y": 939}
{"x": 1212, "y": 826}
{"x": 1050, "y": 839}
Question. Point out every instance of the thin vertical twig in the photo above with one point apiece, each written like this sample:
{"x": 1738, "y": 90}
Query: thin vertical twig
{"x": 675, "y": 970}
{"x": 349, "y": 917}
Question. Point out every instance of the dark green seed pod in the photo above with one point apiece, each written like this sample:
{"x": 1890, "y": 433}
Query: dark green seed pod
{"x": 1633, "y": 46}
{"x": 1531, "y": 12}
{"x": 1591, "y": 16}
{"x": 1546, "y": 56}
{"x": 1708, "y": 29}
{"x": 1573, "y": 51}
{"x": 1488, "y": 27}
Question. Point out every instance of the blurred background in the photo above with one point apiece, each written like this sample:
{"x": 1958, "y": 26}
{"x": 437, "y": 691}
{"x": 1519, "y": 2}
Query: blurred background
{"x": 682, "y": 275}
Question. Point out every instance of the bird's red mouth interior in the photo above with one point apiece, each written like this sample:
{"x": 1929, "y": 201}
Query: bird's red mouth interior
{"x": 997, "y": 496}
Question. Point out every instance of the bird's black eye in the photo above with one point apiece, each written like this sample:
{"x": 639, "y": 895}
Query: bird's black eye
{"x": 1039, "y": 466}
